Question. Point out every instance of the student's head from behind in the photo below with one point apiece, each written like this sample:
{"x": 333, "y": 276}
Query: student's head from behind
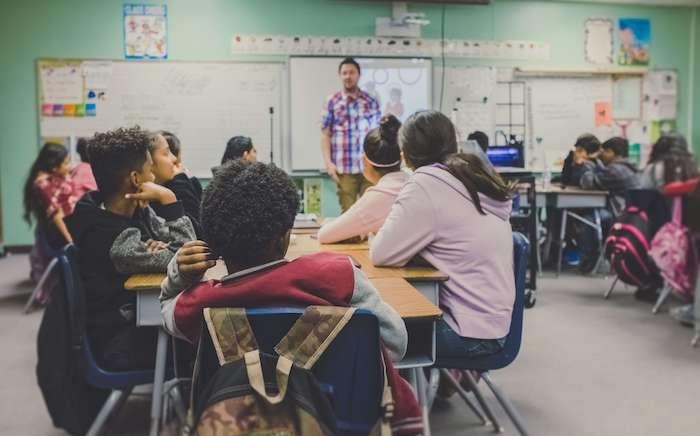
{"x": 587, "y": 143}
{"x": 427, "y": 137}
{"x": 53, "y": 159}
{"x": 481, "y": 138}
{"x": 121, "y": 161}
{"x": 614, "y": 148}
{"x": 173, "y": 144}
{"x": 248, "y": 211}
{"x": 240, "y": 147}
{"x": 164, "y": 162}
{"x": 82, "y": 148}
{"x": 382, "y": 154}
{"x": 664, "y": 146}
{"x": 349, "y": 72}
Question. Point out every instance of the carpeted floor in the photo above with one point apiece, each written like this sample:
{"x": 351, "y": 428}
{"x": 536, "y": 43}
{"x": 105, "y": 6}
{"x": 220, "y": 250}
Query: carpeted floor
{"x": 587, "y": 367}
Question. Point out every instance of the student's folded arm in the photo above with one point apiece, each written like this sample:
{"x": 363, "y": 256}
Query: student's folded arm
{"x": 351, "y": 223}
{"x": 392, "y": 329}
{"x": 174, "y": 228}
{"x": 407, "y": 230}
{"x": 131, "y": 256}
{"x": 175, "y": 282}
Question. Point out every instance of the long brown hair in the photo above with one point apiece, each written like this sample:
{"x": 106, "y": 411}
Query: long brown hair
{"x": 428, "y": 137}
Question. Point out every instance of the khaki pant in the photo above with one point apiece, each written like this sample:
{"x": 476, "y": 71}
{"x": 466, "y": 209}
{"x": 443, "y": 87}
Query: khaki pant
{"x": 350, "y": 187}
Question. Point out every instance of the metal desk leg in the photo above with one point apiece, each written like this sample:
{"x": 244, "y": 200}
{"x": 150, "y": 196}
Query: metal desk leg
{"x": 538, "y": 228}
{"x": 422, "y": 400}
{"x": 158, "y": 380}
{"x": 562, "y": 238}
{"x": 601, "y": 246}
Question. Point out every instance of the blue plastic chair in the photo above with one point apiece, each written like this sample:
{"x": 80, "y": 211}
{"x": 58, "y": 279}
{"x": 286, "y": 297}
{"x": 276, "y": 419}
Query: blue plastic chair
{"x": 507, "y": 355}
{"x": 120, "y": 383}
{"x": 349, "y": 371}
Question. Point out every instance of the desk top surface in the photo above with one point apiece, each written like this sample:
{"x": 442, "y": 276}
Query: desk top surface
{"x": 397, "y": 292}
{"x": 573, "y": 190}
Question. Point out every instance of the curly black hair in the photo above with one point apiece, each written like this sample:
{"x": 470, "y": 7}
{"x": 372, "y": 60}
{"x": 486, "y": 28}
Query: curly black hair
{"x": 246, "y": 208}
{"x": 114, "y": 154}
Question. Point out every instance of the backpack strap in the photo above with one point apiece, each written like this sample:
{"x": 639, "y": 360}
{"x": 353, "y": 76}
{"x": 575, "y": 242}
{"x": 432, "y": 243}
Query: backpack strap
{"x": 312, "y": 333}
{"x": 230, "y": 333}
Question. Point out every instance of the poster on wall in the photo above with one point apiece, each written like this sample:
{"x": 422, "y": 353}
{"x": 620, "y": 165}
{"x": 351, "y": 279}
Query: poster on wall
{"x": 145, "y": 31}
{"x": 599, "y": 40}
{"x": 635, "y": 40}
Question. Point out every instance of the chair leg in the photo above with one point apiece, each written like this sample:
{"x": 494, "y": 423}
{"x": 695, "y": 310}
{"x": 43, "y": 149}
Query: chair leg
{"x": 665, "y": 292}
{"x": 696, "y": 340}
{"x": 462, "y": 393}
{"x": 422, "y": 400}
{"x": 40, "y": 285}
{"x": 497, "y": 427}
{"x": 510, "y": 410}
{"x": 562, "y": 238}
{"x": 113, "y": 403}
{"x": 433, "y": 384}
{"x": 607, "y": 294}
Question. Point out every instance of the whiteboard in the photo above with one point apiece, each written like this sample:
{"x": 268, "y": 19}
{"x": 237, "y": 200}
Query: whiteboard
{"x": 203, "y": 103}
{"x": 561, "y": 109}
{"x": 313, "y": 79}
{"x": 468, "y": 98}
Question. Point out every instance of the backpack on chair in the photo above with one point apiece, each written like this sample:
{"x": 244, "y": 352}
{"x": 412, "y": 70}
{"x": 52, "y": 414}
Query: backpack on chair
{"x": 672, "y": 252}
{"x": 255, "y": 393}
{"x": 627, "y": 247}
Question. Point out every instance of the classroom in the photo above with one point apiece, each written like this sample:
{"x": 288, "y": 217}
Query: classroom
{"x": 350, "y": 217}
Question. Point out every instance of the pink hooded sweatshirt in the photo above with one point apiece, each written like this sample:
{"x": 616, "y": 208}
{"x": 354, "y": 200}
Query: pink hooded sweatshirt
{"x": 435, "y": 217}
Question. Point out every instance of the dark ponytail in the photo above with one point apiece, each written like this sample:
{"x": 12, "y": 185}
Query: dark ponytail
{"x": 381, "y": 145}
{"x": 50, "y": 157}
{"x": 428, "y": 137}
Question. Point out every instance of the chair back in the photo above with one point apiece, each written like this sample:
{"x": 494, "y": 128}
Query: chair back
{"x": 75, "y": 296}
{"x": 503, "y": 358}
{"x": 349, "y": 370}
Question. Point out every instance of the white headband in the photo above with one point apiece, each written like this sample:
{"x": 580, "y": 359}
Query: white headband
{"x": 382, "y": 165}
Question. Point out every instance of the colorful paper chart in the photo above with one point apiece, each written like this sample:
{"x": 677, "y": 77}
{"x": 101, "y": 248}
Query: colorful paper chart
{"x": 47, "y": 109}
{"x": 57, "y": 110}
{"x": 90, "y": 109}
{"x": 79, "y": 110}
{"x": 68, "y": 110}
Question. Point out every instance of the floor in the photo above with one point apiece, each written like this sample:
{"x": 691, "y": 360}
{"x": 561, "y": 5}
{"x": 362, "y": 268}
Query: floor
{"x": 587, "y": 367}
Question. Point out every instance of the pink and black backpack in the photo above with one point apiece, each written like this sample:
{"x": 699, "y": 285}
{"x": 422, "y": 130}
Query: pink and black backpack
{"x": 627, "y": 247}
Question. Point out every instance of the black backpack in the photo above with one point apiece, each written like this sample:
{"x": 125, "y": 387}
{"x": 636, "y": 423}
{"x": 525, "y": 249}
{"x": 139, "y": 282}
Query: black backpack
{"x": 627, "y": 247}
{"x": 72, "y": 403}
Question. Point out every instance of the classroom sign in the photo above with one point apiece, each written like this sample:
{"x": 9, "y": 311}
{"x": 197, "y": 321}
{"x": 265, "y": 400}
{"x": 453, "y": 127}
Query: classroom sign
{"x": 145, "y": 31}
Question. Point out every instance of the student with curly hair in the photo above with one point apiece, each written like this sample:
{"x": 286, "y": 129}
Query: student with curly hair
{"x": 248, "y": 212}
{"x": 118, "y": 235}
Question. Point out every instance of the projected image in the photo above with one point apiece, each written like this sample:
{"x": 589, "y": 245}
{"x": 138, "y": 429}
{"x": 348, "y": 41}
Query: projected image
{"x": 400, "y": 90}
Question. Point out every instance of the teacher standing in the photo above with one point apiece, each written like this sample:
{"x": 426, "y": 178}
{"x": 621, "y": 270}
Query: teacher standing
{"x": 346, "y": 118}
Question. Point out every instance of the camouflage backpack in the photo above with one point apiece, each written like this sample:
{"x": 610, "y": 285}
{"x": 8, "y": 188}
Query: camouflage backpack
{"x": 254, "y": 393}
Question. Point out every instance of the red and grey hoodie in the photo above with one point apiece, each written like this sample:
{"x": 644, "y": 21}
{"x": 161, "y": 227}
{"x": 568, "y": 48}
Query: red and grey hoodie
{"x": 317, "y": 279}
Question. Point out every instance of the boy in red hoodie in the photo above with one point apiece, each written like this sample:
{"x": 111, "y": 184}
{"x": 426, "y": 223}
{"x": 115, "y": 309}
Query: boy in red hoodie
{"x": 247, "y": 215}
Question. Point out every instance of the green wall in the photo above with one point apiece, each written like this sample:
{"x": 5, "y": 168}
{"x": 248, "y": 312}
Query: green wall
{"x": 201, "y": 30}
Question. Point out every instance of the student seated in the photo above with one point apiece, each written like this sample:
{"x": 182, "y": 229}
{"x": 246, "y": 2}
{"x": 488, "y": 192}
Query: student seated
{"x": 382, "y": 168}
{"x": 669, "y": 161}
{"x": 83, "y": 180}
{"x": 238, "y": 147}
{"x": 117, "y": 235}
{"x": 248, "y": 211}
{"x": 176, "y": 149}
{"x": 610, "y": 172}
{"x": 481, "y": 138}
{"x": 454, "y": 212}
{"x": 168, "y": 173}
{"x": 48, "y": 199}
{"x": 585, "y": 150}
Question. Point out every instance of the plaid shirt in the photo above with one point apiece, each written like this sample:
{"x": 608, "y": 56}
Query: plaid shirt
{"x": 56, "y": 193}
{"x": 349, "y": 119}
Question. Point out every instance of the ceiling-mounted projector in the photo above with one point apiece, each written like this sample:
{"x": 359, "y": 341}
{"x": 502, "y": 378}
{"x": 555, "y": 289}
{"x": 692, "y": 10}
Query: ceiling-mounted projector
{"x": 402, "y": 24}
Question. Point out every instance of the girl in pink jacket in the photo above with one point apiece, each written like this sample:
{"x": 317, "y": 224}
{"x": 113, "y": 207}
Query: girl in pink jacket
{"x": 454, "y": 212}
{"x": 382, "y": 168}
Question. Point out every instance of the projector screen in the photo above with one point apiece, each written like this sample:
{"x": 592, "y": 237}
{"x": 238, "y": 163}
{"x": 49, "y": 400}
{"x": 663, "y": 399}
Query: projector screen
{"x": 400, "y": 85}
